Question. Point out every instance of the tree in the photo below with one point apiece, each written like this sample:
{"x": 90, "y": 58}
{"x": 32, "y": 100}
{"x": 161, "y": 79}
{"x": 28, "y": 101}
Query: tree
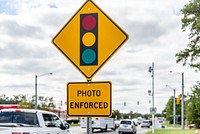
{"x": 147, "y": 116}
{"x": 136, "y": 115}
{"x": 19, "y": 98}
{"x": 28, "y": 104}
{"x": 168, "y": 111}
{"x": 191, "y": 20}
{"x": 45, "y": 103}
{"x": 193, "y": 106}
{"x": 6, "y": 100}
{"x": 116, "y": 114}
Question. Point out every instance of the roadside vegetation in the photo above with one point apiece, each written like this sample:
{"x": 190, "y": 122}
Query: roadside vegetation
{"x": 44, "y": 103}
{"x": 190, "y": 56}
{"x": 173, "y": 131}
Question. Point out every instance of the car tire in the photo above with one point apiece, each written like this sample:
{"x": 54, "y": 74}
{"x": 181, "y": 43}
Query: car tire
{"x": 114, "y": 128}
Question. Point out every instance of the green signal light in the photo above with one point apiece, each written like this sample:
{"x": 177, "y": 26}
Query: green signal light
{"x": 88, "y": 56}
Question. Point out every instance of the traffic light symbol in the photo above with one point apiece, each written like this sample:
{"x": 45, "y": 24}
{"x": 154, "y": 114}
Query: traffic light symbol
{"x": 178, "y": 99}
{"x": 89, "y": 39}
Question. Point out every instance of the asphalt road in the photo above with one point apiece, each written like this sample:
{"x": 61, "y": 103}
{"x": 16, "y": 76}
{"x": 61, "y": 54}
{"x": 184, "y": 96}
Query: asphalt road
{"x": 79, "y": 130}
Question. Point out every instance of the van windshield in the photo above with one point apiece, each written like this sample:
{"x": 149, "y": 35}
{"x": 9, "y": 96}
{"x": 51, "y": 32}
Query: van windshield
{"x": 19, "y": 117}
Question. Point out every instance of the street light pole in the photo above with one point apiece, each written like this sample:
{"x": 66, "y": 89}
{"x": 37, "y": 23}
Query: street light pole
{"x": 151, "y": 70}
{"x": 36, "y": 91}
{"x": 174, "y": 106}
{"x": 182, "y": 103}
{"x": 182, "y": 99}
{"x": 36, "y": 96}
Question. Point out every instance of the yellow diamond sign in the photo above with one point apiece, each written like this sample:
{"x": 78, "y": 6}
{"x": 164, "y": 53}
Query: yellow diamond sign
{"x": 89, "y": 39}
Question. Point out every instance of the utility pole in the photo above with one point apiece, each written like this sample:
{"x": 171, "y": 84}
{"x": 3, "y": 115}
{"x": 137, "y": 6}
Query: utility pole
{"x": 36, "y": 94}
{"x": 182, "y": 100}
{"x": 174, "y": 105}
{"x": 151, "y": 70}
{"x": 174, "y": 108}
{"x": 182, "y": 103}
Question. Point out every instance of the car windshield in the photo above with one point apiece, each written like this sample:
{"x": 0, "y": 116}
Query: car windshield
{"x": 19, "y": 118}
{"x": 145, "y": 121}
{"x": 126, "y": 122}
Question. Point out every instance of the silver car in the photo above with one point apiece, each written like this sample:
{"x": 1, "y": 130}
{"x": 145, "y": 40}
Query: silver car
{"x": 146, "y": 123}
{"x": 127, "y": 126}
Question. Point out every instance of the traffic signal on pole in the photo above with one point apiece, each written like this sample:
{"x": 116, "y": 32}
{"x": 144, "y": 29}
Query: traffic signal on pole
{"x": 178, "y": 99}
{"x": 89, "y": 39}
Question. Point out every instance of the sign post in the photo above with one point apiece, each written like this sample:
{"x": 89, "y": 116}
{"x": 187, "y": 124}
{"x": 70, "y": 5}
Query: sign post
{"x": 89, "y": 125}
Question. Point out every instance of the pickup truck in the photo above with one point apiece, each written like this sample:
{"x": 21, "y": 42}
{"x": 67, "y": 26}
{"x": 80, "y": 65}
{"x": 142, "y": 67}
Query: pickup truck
{"x": 29, "y": 121}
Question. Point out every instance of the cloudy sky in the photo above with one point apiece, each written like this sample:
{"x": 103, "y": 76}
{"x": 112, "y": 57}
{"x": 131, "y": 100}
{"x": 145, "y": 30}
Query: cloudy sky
{"x": 155, "y": 35}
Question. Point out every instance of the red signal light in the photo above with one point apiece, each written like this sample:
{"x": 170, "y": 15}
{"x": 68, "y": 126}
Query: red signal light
{"x": 89, "y": 22}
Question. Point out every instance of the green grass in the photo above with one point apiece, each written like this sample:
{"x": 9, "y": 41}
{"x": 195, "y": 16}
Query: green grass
{"x": 74, "y": 124}
{"x": 171, "y": 125}
{"x": 173, "y": 131}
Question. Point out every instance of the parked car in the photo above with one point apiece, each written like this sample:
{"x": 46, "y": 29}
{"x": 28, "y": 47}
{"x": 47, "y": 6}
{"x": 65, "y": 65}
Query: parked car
{"x": 117, "y": 122}
{"x": 160, "y": 124}
{"x": 31, "y": 121}
{"x": 150, "y": 122}
{"x": 136, "y": 121}
{"x": 72, "y": 120}
{"x": 191, "y": 126}
{"x": 145, "y": 123}
{"x": 127, "y": 125}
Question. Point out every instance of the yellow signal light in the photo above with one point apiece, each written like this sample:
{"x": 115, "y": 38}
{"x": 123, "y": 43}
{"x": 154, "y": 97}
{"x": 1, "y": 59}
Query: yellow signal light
{"x": 178, "y": 99}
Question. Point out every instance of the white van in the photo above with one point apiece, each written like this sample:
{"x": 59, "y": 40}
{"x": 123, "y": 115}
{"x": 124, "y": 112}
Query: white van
{"x": 101, "y": 123}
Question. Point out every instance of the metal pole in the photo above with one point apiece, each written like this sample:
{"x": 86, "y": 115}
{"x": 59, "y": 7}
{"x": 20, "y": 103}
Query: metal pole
{"x": 35, "y": 91}
{"x": 153, "y": 122}
{"x": 182, "y": 104}
{"x": 182, "y": 101}
{"x": 36, "y": 96}
{"x": 89, "y": 119}
{"x": 151, "y": 70}
{"x": 89, "y": 125}
{"x": 174, "y": 108}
